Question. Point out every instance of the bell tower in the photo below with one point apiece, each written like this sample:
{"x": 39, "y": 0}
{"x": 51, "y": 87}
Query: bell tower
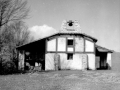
{"x": 70, "y": 26}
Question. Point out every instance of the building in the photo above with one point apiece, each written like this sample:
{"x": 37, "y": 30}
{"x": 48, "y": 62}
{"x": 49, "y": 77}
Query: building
{"x": 69, "y": 49}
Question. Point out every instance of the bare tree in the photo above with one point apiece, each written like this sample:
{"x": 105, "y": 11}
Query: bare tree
{"x": 12, "y": 10}
{"x": 13, "y": 31}
{"x": 21, "y": 33}
{"x": 13, "y": 35}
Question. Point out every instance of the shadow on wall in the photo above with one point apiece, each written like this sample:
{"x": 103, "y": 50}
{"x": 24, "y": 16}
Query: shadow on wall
{"x": 107, "y": 67}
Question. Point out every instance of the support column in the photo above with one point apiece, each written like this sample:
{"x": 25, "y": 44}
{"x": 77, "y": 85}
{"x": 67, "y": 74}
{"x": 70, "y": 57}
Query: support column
{"x": 109, "y": 60}
{"x": 21, "y": 61}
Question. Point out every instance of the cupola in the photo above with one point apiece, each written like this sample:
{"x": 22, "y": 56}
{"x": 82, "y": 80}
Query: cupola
{"x": 70, "y": 26}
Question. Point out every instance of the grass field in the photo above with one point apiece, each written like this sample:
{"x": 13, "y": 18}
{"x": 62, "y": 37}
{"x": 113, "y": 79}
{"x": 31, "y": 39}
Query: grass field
{"x": 66, "y": 79}
{"x": 62, "y": 80}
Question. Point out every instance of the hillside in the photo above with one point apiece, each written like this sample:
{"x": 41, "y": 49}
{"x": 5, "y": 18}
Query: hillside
{"x": 116, "y": 61}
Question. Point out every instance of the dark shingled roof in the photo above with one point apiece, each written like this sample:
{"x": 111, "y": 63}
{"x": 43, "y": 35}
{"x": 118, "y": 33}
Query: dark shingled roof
{"x": 103, "y": 49}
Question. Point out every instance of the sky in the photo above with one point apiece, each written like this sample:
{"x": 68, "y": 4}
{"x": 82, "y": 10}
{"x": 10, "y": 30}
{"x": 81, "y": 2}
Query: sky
{"x": 97, "y": 18}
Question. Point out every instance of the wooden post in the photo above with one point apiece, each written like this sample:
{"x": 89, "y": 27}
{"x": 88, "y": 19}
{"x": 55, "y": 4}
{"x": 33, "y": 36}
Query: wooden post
{"x": 57, "y": 61}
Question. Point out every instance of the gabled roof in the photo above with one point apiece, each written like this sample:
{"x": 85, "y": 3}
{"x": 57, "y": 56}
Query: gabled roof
{"x": 103, "y": 49}
{"x": 58, "y": 34}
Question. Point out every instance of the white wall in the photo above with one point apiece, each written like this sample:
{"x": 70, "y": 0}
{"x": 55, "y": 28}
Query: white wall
{"x": 79, "y": 44}
{"x": 61, "y": 44}
{"x": 63, "y": 61}
{"x": 76, "y": 63}
{"x": 51, "y": 45}
{"x": 109, "y": 59}
{"x": 70, "y": 49}
{"x": 79, "y": 62}
{"x": 70, "y": 37}
{"x": 49, "y": 61}
{"x": 89, "y": 46}
{"x": 91, "y": 61}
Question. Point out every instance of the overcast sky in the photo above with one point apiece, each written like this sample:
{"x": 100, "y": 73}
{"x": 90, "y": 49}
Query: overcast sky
{"x": 98, "y": 18}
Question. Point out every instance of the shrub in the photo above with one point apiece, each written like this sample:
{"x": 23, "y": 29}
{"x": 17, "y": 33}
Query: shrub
{"x": 8, "y": 67}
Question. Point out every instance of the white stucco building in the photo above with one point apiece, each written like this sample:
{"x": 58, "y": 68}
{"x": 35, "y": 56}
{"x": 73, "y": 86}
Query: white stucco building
{"x": 69, "y": 49}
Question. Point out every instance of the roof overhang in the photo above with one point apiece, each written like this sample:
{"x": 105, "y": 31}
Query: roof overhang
{"x": 103, "y": 49}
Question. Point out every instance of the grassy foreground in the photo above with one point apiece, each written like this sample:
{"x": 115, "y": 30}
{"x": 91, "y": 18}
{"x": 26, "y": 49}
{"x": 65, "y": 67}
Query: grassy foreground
{"x": 62, "y": 80}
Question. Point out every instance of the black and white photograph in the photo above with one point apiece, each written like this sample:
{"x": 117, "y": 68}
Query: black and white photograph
{"x": 59, "y": 44}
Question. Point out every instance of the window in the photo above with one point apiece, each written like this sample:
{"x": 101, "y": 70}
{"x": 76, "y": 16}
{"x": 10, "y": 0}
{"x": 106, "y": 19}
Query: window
{"x": 70, "y": 42}
{"x": 69, "y": 56}
{"x": 70, "y": 24}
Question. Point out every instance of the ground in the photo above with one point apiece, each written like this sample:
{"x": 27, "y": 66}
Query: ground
{"x": 62, "y": 80}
